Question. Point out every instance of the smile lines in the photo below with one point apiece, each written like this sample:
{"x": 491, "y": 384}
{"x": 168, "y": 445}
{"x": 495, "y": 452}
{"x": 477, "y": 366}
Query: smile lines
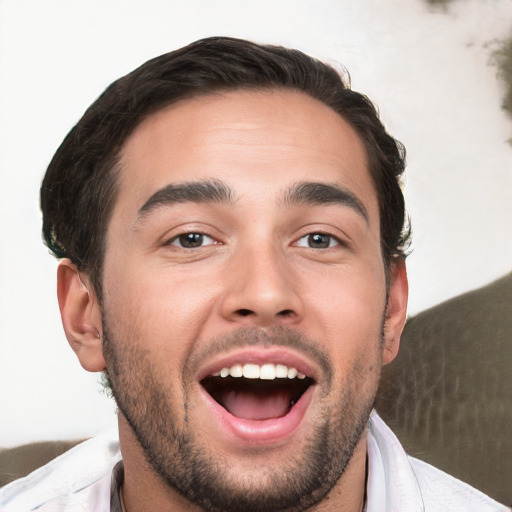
{"x": 267, "y": 371}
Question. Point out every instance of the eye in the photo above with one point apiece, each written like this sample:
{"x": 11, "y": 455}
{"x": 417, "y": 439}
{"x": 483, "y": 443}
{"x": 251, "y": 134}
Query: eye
{"x": 192, "y": 240}
{"x": 318, "y": 241}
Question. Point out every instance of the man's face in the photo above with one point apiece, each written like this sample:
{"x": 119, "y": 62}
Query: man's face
{"x": 245, "y": 241}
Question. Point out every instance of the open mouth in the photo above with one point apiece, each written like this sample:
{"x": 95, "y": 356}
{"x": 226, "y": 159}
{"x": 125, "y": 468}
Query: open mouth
{"x": 257, "y": 392}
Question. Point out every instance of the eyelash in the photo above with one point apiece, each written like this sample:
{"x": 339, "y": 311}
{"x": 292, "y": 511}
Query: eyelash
{"x": 197, "y": 237}
{"x": 182, "y": 236}
{"x": 334, "y": 241}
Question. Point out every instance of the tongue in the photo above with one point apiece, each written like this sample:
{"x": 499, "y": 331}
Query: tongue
{"x": 254, "y": 406}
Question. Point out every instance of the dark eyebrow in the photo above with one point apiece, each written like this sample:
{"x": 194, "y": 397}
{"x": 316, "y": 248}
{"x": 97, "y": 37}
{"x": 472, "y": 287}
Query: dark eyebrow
{"x": 324, "y": 193}
{"x": 207, "y": 191}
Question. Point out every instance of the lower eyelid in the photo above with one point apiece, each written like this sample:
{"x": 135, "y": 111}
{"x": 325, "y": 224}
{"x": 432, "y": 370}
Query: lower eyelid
{"x": 174, "y": 241}
{"x": 337, "y": 241}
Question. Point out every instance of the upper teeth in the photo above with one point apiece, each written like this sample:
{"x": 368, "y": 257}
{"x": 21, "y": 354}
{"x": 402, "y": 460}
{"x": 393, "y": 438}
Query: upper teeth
{"x": 265, "y": 372}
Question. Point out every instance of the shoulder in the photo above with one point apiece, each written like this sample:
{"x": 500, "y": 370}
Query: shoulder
{"x": 401, "y": 482}
{"x": 78, "y": 479}
{"x": 441, "y": 491}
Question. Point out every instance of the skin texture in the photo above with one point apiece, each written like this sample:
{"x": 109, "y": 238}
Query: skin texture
{"x": 258, "y": 282}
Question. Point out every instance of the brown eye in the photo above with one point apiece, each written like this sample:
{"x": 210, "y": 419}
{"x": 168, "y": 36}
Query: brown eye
{"x": 192, "y": 240}
{"x": 319, "y": 241}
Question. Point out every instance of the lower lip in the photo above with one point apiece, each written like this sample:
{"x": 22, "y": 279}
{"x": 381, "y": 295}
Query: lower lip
{"x": 264, "y": 432}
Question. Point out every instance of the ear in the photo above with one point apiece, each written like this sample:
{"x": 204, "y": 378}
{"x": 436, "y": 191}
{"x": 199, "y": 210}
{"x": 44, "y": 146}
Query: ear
{"x": 81, "y": 316}
{"x": 396, "y": 310}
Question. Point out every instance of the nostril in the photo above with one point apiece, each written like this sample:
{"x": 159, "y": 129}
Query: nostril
{"x": 248, "y": 312}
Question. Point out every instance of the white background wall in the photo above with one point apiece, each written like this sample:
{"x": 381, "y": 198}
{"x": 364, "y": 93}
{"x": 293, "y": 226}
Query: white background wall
{"x": 427, "y": 70}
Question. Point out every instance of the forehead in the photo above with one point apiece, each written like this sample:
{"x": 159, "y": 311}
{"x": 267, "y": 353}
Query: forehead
{"x": 249, "y": 139}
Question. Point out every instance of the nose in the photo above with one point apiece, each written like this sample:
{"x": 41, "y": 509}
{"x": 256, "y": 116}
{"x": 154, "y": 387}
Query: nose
{"x": 261, "y": 289}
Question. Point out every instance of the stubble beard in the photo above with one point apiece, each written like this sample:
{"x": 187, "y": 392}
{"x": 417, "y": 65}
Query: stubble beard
{"x": 189, "y": 466}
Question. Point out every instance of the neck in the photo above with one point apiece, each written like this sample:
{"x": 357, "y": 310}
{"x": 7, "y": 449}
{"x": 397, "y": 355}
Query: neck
{"x": 144, "y": 491}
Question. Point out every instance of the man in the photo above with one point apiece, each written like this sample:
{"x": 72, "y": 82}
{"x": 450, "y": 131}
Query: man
{"x": 231, "y": 230}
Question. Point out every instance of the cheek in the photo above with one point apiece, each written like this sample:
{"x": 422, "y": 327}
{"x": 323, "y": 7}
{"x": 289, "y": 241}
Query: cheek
{"x": 346, "y": 312}
{"x": 163, "y": 312}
